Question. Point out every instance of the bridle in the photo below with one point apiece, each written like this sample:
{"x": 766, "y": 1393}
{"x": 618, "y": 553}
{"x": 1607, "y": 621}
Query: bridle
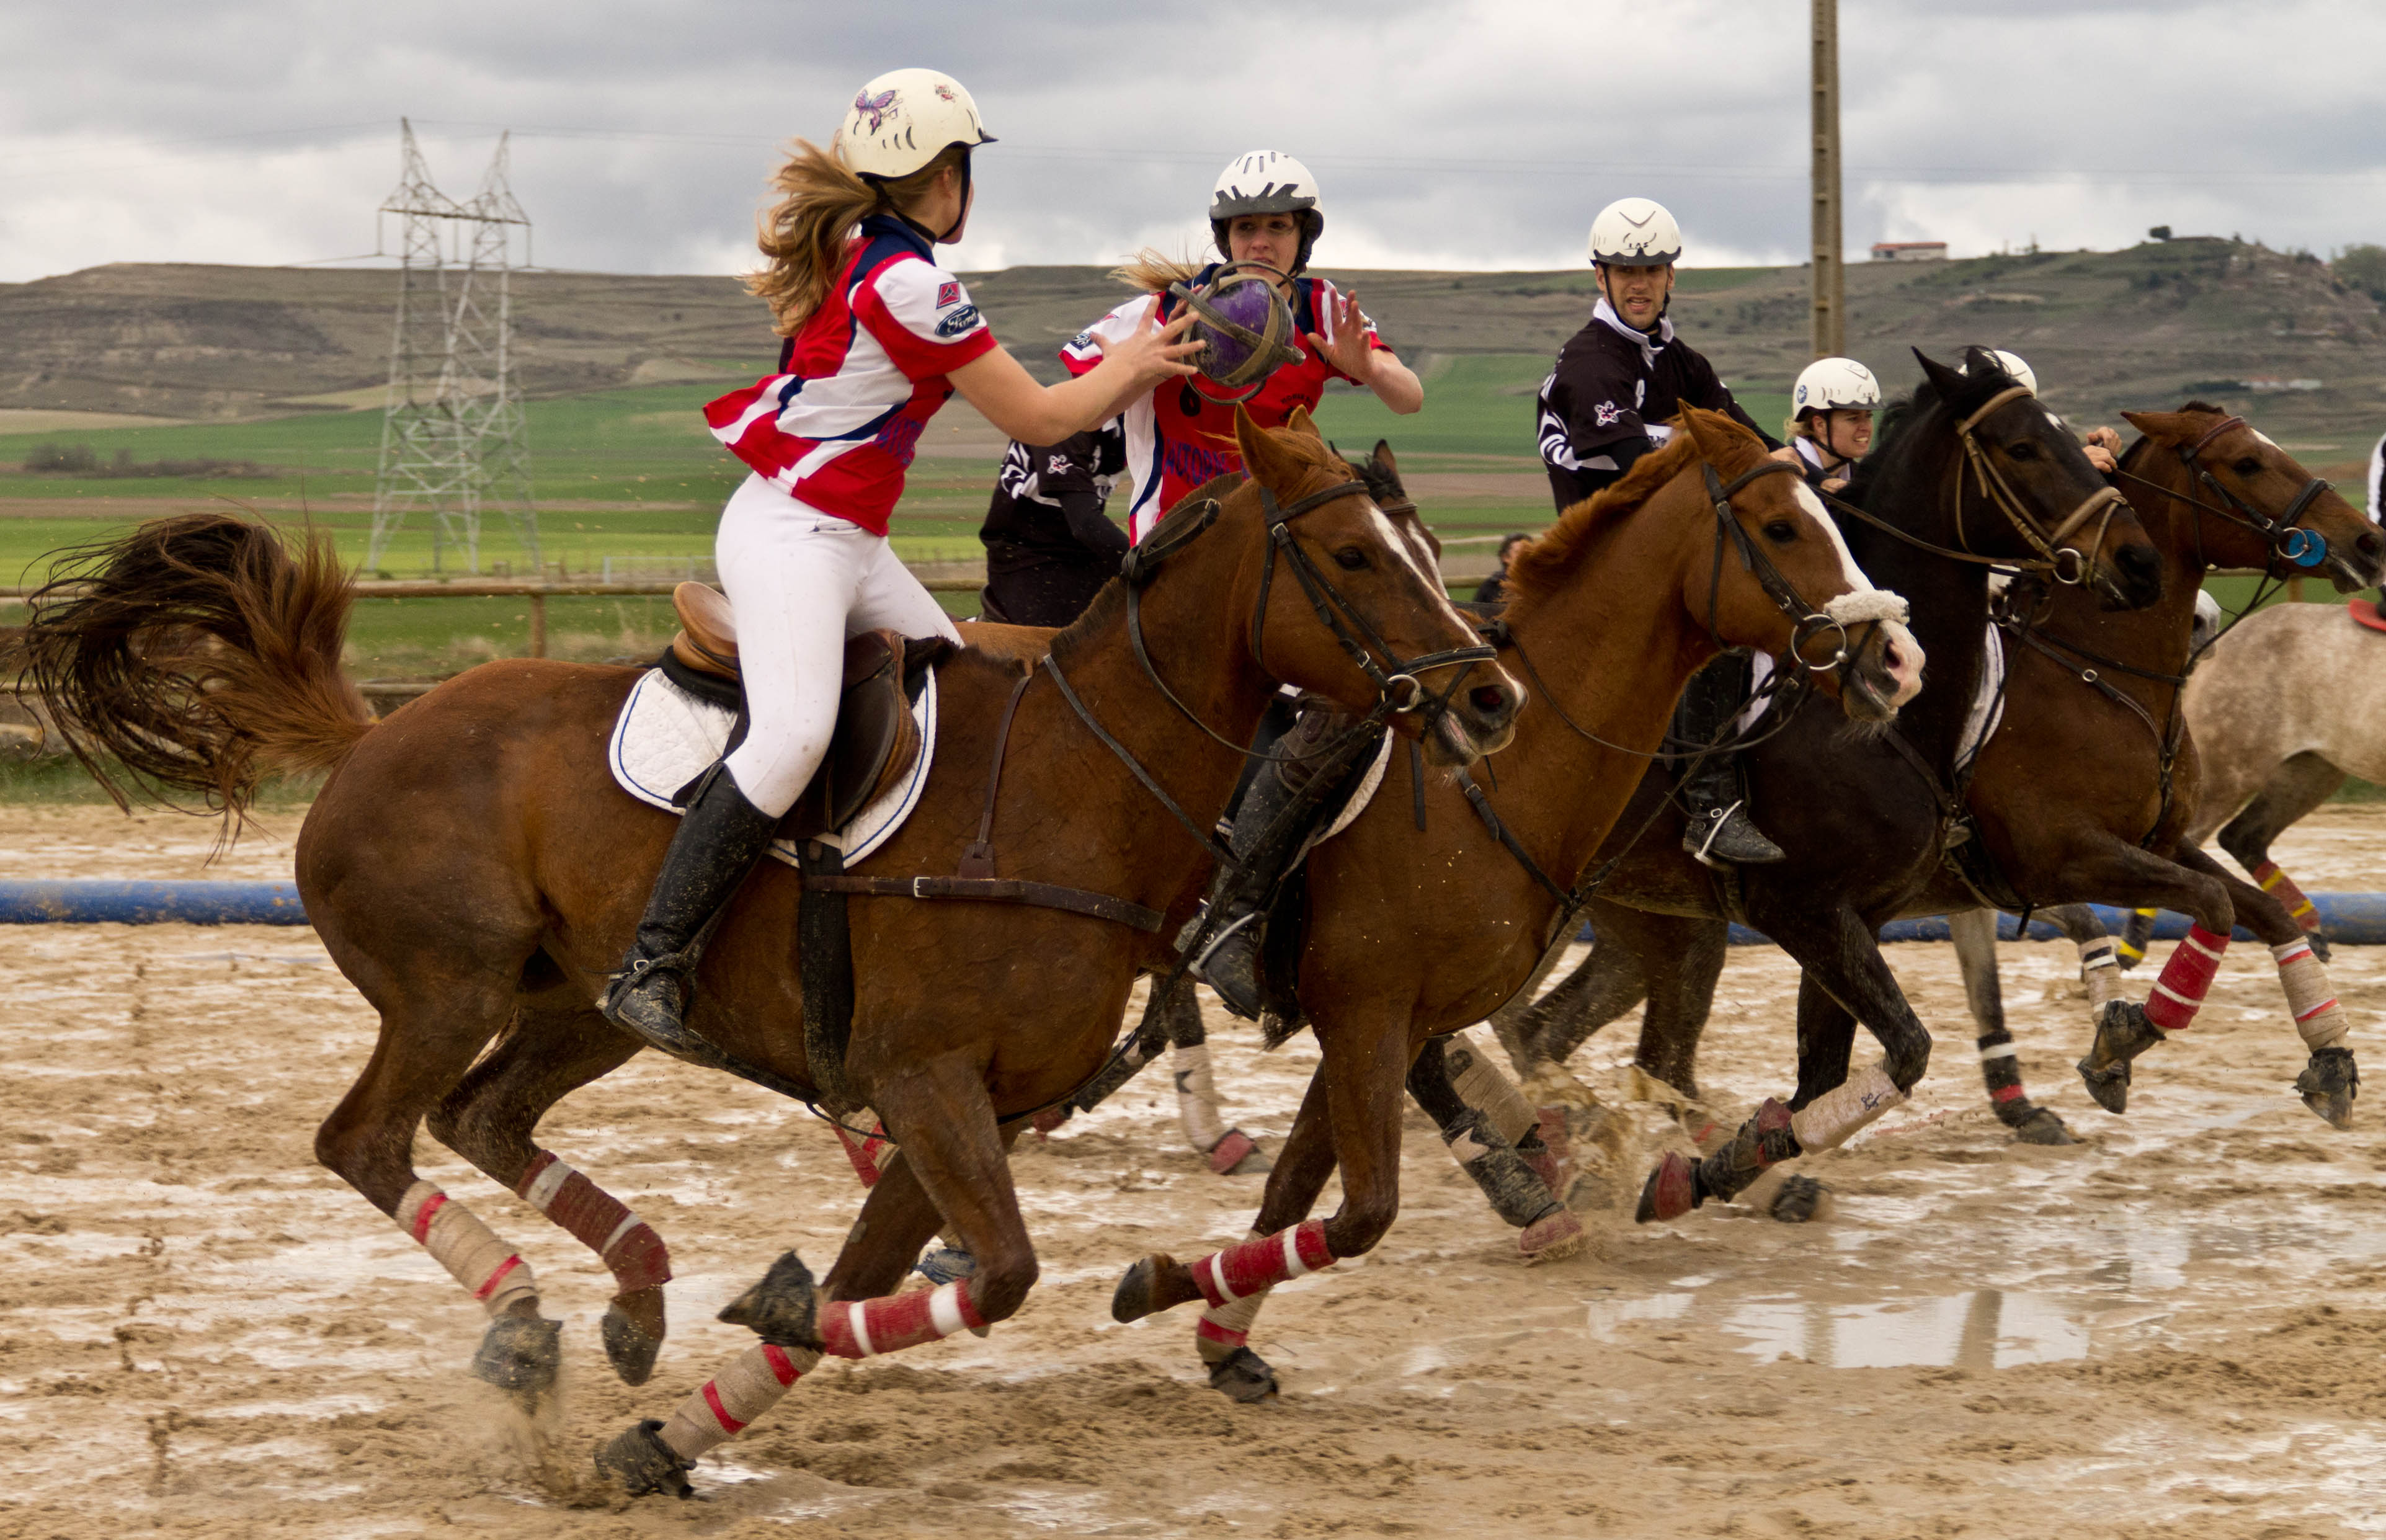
{"x": 2047, "y": 543}
{"x": 1398, "y": 688}
{"x": 2290, "y": 544}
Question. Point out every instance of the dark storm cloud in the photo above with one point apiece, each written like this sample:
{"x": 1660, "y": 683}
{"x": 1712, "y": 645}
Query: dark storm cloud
{"x": 1445, "y": 134}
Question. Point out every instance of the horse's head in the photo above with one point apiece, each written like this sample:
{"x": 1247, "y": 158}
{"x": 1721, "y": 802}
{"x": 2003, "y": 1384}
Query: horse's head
{"x": 2246, "y": 494}
{"x": 1346, "y": 597}
{"x": 1785, "y": 583}
{"x": 2025, "y": 489}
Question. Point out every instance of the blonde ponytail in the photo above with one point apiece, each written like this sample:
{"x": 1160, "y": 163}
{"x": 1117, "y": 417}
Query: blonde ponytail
{"x": 804, "y": 234}
{"x": 1150, "y": 271}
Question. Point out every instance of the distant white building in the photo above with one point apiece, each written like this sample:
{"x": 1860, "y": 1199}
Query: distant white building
{"x": 1909, "y": 251}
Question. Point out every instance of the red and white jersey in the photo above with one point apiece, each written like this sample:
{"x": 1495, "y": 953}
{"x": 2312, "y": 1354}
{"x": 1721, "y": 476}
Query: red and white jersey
{"x": 1180, "y": 436}
{"x": 837, "y": 425}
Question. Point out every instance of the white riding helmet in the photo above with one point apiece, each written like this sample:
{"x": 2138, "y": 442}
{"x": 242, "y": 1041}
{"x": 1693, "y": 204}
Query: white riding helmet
{"x": 1829, "y": 384}
{"x": 2015, "y": 366}
{"x": 905, "y": 119}
{"x": 1635, "y": 232}
{"x": 1266, "y": 181}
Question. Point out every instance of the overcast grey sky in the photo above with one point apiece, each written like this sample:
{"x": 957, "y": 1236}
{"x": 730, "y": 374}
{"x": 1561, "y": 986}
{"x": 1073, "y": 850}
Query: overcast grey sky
{"x": 1445, "y": 134}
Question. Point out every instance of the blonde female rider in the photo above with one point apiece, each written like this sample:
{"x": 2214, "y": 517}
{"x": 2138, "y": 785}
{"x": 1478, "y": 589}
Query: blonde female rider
{"x": 1830, "y": 420}
{"x": 877, "y": 337}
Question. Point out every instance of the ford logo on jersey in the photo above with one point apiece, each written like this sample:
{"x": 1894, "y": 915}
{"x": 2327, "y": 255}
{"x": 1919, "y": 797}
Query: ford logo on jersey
{"x": 958, "y": 322}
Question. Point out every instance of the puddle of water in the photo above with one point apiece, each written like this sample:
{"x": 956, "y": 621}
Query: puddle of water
{"x": 1984, "y": 1329}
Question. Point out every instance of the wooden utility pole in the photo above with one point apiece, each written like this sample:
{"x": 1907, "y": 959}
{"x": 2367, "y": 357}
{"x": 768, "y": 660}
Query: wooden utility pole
{"x": 1831, "y": 285}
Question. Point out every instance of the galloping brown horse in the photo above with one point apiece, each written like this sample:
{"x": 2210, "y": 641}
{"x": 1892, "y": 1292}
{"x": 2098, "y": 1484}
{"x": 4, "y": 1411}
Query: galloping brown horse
{"x": 472, "y": 868}
{"x": 1417, "y": 933}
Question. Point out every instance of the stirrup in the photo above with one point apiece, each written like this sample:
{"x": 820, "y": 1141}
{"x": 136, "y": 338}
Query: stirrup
{"x": 1761, "y": 851}
{"x": 675, "y": 968}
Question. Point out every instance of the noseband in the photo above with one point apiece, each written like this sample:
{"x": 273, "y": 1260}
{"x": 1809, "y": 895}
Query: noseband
{"x": 2000, "y": 492}
{"x": 2290, "y": 544}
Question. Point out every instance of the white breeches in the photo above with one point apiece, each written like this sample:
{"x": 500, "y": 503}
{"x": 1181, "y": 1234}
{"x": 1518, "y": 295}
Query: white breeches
{"x": 801, "y": 582}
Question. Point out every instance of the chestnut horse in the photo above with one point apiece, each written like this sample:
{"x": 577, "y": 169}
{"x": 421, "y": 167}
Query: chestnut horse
{"x": 472, "y": 868}
{"x": 2065, "y": 790}
{"x": 1414, "y": 932}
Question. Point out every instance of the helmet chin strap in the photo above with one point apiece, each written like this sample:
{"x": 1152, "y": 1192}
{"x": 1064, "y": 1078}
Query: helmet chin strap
{"x": 932, "y": 237}
{"x": 1609, "y": 295}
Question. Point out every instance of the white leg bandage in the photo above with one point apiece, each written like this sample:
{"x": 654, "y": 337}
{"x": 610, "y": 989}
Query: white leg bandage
{"x": 753, "y": 1383}
{"x": 457, "y": 1241}
{"x": 2309, "y": 998}
{"x": 2099, "y": 969}
{"x": 1483, "y": 1087}
{"x": 1197, "y": 1097}
{"x": 1833, "y": 1118}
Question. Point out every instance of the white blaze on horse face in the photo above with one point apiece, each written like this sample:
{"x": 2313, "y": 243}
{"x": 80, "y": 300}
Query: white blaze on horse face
{"x": 1411, "y": 549}
{"x": 1900, "y": 651}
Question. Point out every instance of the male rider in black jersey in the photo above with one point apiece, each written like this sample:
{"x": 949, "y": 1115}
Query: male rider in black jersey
{"x": 1604, "y": 406}
{"x": 1050, "y": 546}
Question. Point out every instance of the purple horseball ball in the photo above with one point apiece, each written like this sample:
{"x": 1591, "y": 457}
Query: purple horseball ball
{"x": 1245, "y": 304}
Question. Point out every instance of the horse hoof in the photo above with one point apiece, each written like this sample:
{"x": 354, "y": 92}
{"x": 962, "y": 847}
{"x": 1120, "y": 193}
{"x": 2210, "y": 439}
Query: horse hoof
{"x": 1051, "y": 1119}
{"x": 783, "y": 1309}
{"x": 1797, "y": 1200}
{"x": 643, "y": 1463}
{"x": 2327, "y": 1086}
{"x": 1243, "y": 1376}
{"x": 2319, "y": 945}
{"x": 1240, "y": 1155}
{"x": 1553, "y": 1237}
{"x": 1132, "y": 1300}
{"x": 2042, "y": 1127}
{"x": 2109, "y": 1087}
{"x": 632, "y": 1344}
{"x": 1670, "y": 1191}
{"x": 521, "y": 1354}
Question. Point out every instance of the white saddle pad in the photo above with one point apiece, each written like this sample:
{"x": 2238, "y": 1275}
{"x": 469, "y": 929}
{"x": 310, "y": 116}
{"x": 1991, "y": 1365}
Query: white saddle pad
{"x": 1988, "y": 712}
{"x": 1368, "y": 786}
{"x": 665, "y": 738}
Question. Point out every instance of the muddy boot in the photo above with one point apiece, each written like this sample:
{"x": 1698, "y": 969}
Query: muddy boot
{"x": 721, "y": 840}
{"x": 1720, "y": 832}
{"x": 1229, "y": 963}
{"x": 2122, "y": 1034}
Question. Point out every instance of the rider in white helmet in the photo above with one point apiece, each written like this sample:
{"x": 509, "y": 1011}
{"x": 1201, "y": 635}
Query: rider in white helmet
{"x": 2102, "y": 445}
{"x": 1830, "y": 420}
{"x": 1265, "y": 209}
{"x": 1604, "y": 406}
{"x": 876, "y": 337}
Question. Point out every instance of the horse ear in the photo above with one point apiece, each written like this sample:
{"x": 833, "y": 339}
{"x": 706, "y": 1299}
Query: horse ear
{"x": 1685, "y": 421}
{"x": 1267, "y": 460}
{"x": 1945, "y": 380}
{"x": 2162, "y": 427}
{"x": 1383, "y": 457}
{"x": 1300, "y": 422}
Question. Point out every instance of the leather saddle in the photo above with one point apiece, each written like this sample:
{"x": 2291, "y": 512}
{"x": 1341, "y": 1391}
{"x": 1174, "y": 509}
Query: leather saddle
{"x": 876, "y": 740}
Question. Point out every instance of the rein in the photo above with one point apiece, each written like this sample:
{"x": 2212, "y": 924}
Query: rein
{"x": 2290, "y": 544}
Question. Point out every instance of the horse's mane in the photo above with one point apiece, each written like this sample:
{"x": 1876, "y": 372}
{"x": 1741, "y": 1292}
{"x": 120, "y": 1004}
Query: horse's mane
{"x": 1542, "y": 566}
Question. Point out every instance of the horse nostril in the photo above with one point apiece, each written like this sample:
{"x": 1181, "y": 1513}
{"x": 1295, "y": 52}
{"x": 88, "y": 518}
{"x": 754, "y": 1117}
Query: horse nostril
{"x": 2136, "y": 560}
{"x": 1489, "y": 699}
{"x": 2371, "y": 544}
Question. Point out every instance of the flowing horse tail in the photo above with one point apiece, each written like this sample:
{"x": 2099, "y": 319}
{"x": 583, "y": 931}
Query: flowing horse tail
{"x": 194, "y": 656}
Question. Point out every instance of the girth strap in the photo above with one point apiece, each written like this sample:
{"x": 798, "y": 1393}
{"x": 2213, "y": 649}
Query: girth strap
{"x": 992, "y": 890}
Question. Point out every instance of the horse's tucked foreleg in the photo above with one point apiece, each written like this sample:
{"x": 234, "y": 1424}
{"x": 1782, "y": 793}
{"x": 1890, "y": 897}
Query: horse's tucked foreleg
{"x": 1475, "y": 1138}
{"x": 2300, "y": 784}
{"x": 2125, "y": 1029}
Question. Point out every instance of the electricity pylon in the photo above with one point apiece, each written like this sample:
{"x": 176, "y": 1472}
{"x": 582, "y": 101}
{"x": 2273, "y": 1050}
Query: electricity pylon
{"x": 454, "y": 437}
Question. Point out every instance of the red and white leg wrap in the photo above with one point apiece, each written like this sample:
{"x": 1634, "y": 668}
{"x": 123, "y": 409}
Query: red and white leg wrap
{"x": 2099, "y": 969}
{"x": 869, "y": 1153}
{"x": 2278, "y": 885}
{"x": 753, "y": 1383}
{"x": 460, "y": 1243}
{"x": 2186, "y": 979}
{"x": 1197, "y": 1097}
{"x": 1224, "y": 1328}
{"x": 1241, "y": 1271}
{"x": 2309, "y": 998}
{"x": 598, "y": 1221}
{"x": 1833, "y": 1118}
{"x": 865, "y": 1328}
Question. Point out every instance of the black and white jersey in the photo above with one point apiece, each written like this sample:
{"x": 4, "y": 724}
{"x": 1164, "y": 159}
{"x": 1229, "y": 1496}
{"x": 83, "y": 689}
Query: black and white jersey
{"x": 1048, "y": 501}
{"x": 1606, "y": 402}
{"x": 2377, "y": 482}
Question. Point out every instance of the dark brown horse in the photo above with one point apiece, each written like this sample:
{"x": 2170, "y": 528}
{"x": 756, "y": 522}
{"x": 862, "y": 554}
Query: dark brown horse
{"x": 2083, "y": 790}
{"x": 1417, "y": 933}
{"x": 473, "y": 869}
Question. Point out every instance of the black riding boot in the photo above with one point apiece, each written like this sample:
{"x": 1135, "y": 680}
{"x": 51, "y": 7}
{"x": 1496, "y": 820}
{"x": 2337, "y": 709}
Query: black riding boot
{"x": 717, "y": 844}
{"x": 1229, "y": 963}
{"x": 1713, "y": 791}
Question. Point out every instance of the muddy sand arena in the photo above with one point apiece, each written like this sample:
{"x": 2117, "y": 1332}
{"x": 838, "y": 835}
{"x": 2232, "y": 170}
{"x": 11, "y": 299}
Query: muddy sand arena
{"x": 2173, "y": 1329}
